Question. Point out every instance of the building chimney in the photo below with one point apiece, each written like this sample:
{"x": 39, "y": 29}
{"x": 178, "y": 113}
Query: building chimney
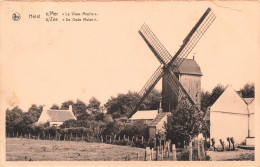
{"x": 70, "y": 108}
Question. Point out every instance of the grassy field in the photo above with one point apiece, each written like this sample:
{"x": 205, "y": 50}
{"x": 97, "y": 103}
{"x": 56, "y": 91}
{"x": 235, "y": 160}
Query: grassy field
{"x": 18, "y": 149}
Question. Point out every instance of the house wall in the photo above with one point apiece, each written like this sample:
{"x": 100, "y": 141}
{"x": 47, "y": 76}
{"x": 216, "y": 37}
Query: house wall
{"x": 152, "y": 132}
{"x": 251, "y": 108}
{"x": 223, "y": 125}
{"x": 192, "y": 85}
{"x": 251, "y": 125}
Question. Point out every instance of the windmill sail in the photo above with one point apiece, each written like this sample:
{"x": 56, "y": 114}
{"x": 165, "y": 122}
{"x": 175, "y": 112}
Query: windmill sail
{"x": 155, "y": 45}
{"x": 157, "y": 75}
{"x": 193, "y": 37}
{"x": 170, "y": 64}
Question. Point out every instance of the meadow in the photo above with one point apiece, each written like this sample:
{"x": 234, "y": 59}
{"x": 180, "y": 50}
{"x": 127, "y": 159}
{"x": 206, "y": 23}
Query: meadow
{"x": 21, "y": 149}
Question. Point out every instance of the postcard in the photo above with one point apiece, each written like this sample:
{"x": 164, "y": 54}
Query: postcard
{"x": 105, "y": 82}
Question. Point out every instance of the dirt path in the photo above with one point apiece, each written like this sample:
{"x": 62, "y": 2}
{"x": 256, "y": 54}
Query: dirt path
{"x": 239, "y": 155}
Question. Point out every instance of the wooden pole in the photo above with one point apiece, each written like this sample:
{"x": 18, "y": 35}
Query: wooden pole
{"x": 101, "y": 139}
{"x": 128, "y": 138}
{"x": 38, "y": 136}
{"x": 174, "y": 153}
{"x": 106, "y": 138}
{"x": 147, "y": 154}
{"x": 110, "y": 140}
{"x": 152, "y": 154}
{"x": 161, "y": 153}
{"x": 157, "y": 153}
{"x": 190, "y": 151}
{"x": 142, "y": 140}
{"x": 202, "y": 150}
{"x": 124, "y": 137}
{"x": 199, "y": 155}
{"x": 114, "y": 138}
{"x": 118, "y": 138}
{"x": 170, "y": 143}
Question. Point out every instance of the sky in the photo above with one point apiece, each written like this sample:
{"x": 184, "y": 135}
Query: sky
{"x": 47, "y": 63}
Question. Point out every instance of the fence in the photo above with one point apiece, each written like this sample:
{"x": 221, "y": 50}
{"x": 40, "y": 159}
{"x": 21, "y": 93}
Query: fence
{"x": 168, "y": 152}
{"x": 138, "y": 141}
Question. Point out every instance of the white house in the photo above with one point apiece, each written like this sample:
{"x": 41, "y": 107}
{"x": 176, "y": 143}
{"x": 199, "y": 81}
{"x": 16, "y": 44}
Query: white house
{"x": 55, "y": 117}
{"x": 232, "y": 116}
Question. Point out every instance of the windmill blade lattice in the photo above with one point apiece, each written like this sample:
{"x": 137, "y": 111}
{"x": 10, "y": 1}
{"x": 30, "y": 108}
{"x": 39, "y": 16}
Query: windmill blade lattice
{"x": 193, "y": 37}
{"x": 155, "y": 45}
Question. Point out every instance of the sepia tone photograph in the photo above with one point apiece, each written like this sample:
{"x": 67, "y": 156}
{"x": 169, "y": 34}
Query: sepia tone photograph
{"x": 168, "y": 81}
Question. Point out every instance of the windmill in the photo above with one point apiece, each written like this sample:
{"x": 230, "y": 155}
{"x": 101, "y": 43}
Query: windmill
{"x": 169, "y": 65}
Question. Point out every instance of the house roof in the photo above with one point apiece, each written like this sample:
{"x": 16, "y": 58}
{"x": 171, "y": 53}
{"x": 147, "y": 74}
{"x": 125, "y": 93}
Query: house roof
{"x": 248, "y": 100}
{"x": 230, "y": 101}
{"x": 190, "y": 66}
{"x": 145, "y": 114}
{"x": 158, "y": 118}
{"x": 60, "y": 115}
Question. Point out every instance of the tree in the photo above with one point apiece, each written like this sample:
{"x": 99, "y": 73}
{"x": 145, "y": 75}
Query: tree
{"x": 79, "y": 109}
{"x": 33, "y": 114}
{"x": 121, "y": 105}
{"x": 65, "y": 105}
{"x": 152, "y": 101}
{"x": 248, "y": 91}
{"x": 94, "y": 105}
{"x": 216, "y": 92}
{"x": 205, "y": 100}
{"x": 55, "y": 107}
{"x": 183, "y": 124}
{"x": 14, "y": 118}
